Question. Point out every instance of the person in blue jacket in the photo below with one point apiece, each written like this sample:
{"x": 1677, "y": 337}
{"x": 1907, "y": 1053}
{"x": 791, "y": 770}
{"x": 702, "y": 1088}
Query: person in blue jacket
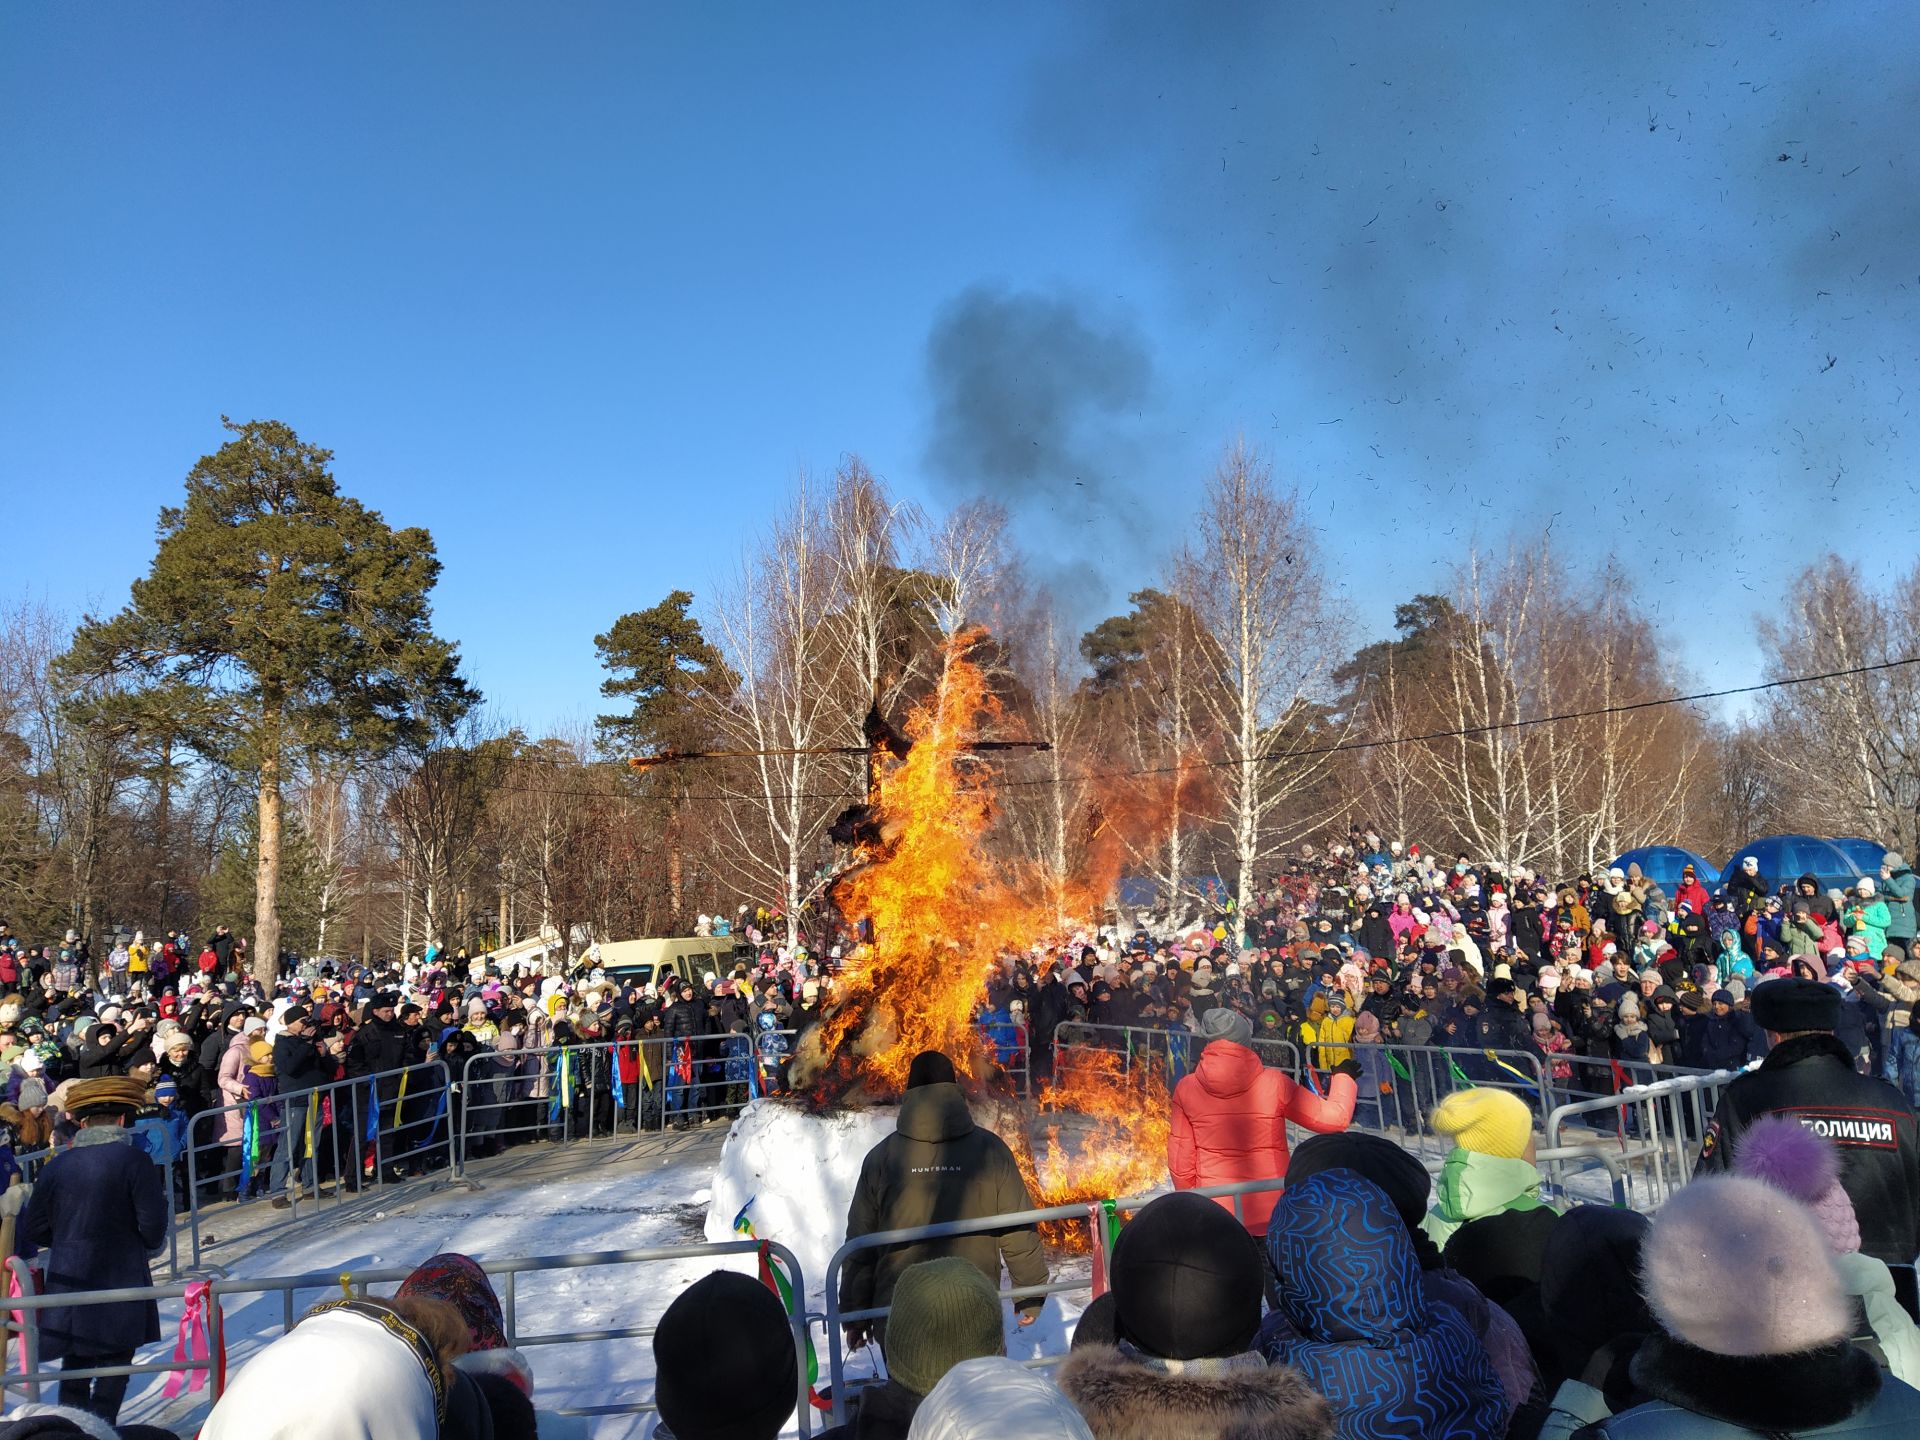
{"x": 1356, "y": 1320}
{"x": 100, "y": 1210}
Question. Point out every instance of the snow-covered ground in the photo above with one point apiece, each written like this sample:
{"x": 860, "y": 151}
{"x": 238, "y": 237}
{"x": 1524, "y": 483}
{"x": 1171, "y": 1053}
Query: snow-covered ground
{"x": 799, "y": 1171}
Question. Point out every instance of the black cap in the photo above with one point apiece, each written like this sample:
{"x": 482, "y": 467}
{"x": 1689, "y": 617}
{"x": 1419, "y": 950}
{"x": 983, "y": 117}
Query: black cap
{"x": 1786, "y": 1006}
{"x": 293, "y": 1014}
{"x": 1186, "y": 1280}
{"x": 724, "y": 1356}
{"x": 385, "y": 1000}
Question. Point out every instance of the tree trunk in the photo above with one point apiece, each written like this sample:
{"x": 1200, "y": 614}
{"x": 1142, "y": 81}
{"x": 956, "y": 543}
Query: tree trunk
{"x": 266, "y": 883}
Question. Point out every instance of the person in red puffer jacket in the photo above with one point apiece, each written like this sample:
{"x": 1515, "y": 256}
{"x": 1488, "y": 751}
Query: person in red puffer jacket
{"x": 1230, "y": 1115}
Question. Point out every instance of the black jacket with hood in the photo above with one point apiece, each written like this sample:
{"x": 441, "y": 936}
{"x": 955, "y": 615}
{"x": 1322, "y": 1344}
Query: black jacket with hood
{"x": 938, "y": 1166}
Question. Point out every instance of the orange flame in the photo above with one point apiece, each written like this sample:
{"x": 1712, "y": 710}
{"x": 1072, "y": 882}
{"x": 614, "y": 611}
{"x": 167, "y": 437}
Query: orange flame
{"x": 1108, "y": 1137}
{"x": 942, "y": 911}
{"x": 1133, "y": 817}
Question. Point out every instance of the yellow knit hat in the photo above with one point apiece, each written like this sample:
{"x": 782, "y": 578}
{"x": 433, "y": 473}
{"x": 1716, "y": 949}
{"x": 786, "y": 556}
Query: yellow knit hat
{"x": 1486, "y": 1121}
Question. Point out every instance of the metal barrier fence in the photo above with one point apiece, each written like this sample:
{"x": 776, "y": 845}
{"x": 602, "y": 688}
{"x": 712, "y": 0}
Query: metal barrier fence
{"x": 579, "y": 1091}
{"x": 1658, "y": 1127}
{"x": 1091, "y": 1213}
{"x": 1012, "y": 1051}
{"x": 1399, "y": 1086}
{"x": 30, "y": 1303}
{"x": 1176, "y": 1049}
{"x": 344, "y": 1123}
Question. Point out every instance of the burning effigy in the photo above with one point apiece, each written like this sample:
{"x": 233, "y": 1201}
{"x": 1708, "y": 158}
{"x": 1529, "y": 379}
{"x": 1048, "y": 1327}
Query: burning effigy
{"x": 940, "y": 909}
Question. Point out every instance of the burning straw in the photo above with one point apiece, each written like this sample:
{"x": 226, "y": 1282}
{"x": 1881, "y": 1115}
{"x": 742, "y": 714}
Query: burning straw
{"x": 942, "y": 910}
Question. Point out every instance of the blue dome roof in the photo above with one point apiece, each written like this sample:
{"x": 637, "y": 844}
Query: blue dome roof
{"x": 1867, "y": 854}
{"x": 1662, "y": 865}
{"x": 1784, "y": 858}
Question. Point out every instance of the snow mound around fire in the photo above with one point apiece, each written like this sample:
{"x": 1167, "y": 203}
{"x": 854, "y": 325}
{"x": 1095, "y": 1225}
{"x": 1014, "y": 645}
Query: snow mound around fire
{"x": 799, "y": 1170}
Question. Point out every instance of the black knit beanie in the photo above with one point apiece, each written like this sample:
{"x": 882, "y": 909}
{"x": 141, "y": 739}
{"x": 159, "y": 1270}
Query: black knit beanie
{"x": 1403, "y": 1179}
{"x": 725, "y": 1361}
{"x": 1186, "y": 1280}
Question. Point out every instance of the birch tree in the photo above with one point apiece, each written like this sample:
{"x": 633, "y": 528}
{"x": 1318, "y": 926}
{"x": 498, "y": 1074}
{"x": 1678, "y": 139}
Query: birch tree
{"x": 1255, "y": 582}
{"x": 787, "y": 704}
{"x": 1849, "y": 747}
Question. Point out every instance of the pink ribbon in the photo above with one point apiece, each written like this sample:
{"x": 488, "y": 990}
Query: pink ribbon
{"x": 14, "y": 1291}
{"x": 191, "y": 1343}
{"x": 1097, "y": 1229}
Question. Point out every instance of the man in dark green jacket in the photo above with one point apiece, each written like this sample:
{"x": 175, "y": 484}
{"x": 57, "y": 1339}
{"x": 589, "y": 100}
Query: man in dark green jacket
{"x": 937, "y": 1166}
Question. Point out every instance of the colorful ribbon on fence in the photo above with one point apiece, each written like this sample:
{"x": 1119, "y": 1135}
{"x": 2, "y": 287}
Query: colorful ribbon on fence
{"x": 1103, "y": 1223}
{"x": 562, "y": 1086}
{"x": 1393, "y": 1063}
{"x": 773, "y": 1275}
{"x": 19, "y": 1317}
{"x": 192, "y": 1346}
{"x": 373, "y": 1115}
{"x": 1620, "y": 1083}
{"x": 249, "y": 1144}
{"x": 1313, "y": 1080}
{"x": 1515, "y": 1071}
{"x": 439, "y": 1113}
{"x": 1459, "y": 1076}
{"x": 619, "y": 1086}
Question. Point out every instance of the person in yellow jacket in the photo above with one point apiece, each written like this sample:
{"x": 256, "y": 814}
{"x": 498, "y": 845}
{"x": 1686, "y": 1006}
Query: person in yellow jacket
{"x": 137, "y": 955}
{"x": 1326, "y": 1026}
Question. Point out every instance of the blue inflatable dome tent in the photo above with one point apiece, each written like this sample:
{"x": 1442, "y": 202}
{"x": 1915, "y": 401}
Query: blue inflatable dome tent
{"x": 1662, "y": 864}
{"x": 1785, "y": 858}
{"x": 1866, "y": 854}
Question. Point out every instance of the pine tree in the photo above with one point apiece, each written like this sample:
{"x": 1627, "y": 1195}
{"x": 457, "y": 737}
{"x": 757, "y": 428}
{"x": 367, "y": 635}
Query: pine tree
{"x": 280, "y": 618}
{"x": 662, "y": 659}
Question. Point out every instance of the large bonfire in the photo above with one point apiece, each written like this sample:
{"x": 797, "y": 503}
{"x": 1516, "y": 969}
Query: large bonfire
{"x": 941, "y": 910}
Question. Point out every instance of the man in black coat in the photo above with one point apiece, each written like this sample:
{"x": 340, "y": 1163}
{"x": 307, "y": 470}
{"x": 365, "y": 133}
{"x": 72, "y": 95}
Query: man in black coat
{"x": 101, "y": 1210}
{"x": 938, "y": 1165}
{"x": 1748, "y": 887}
{"x": 682, "y": 1023}
{"x": 1809, "y": 1075}
{"x": 1503, "y": 1027}
{"x": 382, "y": 1046}
{"x": 1723, "y": 1038}
{"x": 297, "y": 1070}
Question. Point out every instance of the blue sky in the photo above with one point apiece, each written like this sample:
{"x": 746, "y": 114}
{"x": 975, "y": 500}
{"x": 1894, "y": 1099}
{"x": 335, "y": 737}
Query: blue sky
{"x": 581, "y": 288}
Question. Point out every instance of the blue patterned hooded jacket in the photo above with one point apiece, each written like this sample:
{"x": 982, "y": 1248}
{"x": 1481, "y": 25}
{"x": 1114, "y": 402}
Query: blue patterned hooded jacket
{"x": 1359, "y": 1326}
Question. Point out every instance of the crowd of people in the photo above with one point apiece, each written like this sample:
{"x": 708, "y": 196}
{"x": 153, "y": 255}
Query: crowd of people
{"x": 274, "y": 1090}
{"x": 1366, "y": 1298}
{"x": 1592, "y": 979}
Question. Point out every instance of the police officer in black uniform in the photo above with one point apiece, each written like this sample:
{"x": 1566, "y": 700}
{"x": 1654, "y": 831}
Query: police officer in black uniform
{"x": 1809, "y": 1075}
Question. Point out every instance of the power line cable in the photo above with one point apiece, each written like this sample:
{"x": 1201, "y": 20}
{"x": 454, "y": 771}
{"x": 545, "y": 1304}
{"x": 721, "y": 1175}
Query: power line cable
{"x": 1311, "y": 752}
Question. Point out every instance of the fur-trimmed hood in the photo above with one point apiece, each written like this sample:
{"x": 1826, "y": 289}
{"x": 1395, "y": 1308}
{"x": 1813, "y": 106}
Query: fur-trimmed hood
{"x": 1772, "y": 1394}
{"x": 1124, "y": 1400}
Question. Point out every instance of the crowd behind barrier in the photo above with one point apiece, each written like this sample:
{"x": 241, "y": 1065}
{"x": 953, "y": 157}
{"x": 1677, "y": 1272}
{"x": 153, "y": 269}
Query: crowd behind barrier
{"x": 1607, "y": 1013}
